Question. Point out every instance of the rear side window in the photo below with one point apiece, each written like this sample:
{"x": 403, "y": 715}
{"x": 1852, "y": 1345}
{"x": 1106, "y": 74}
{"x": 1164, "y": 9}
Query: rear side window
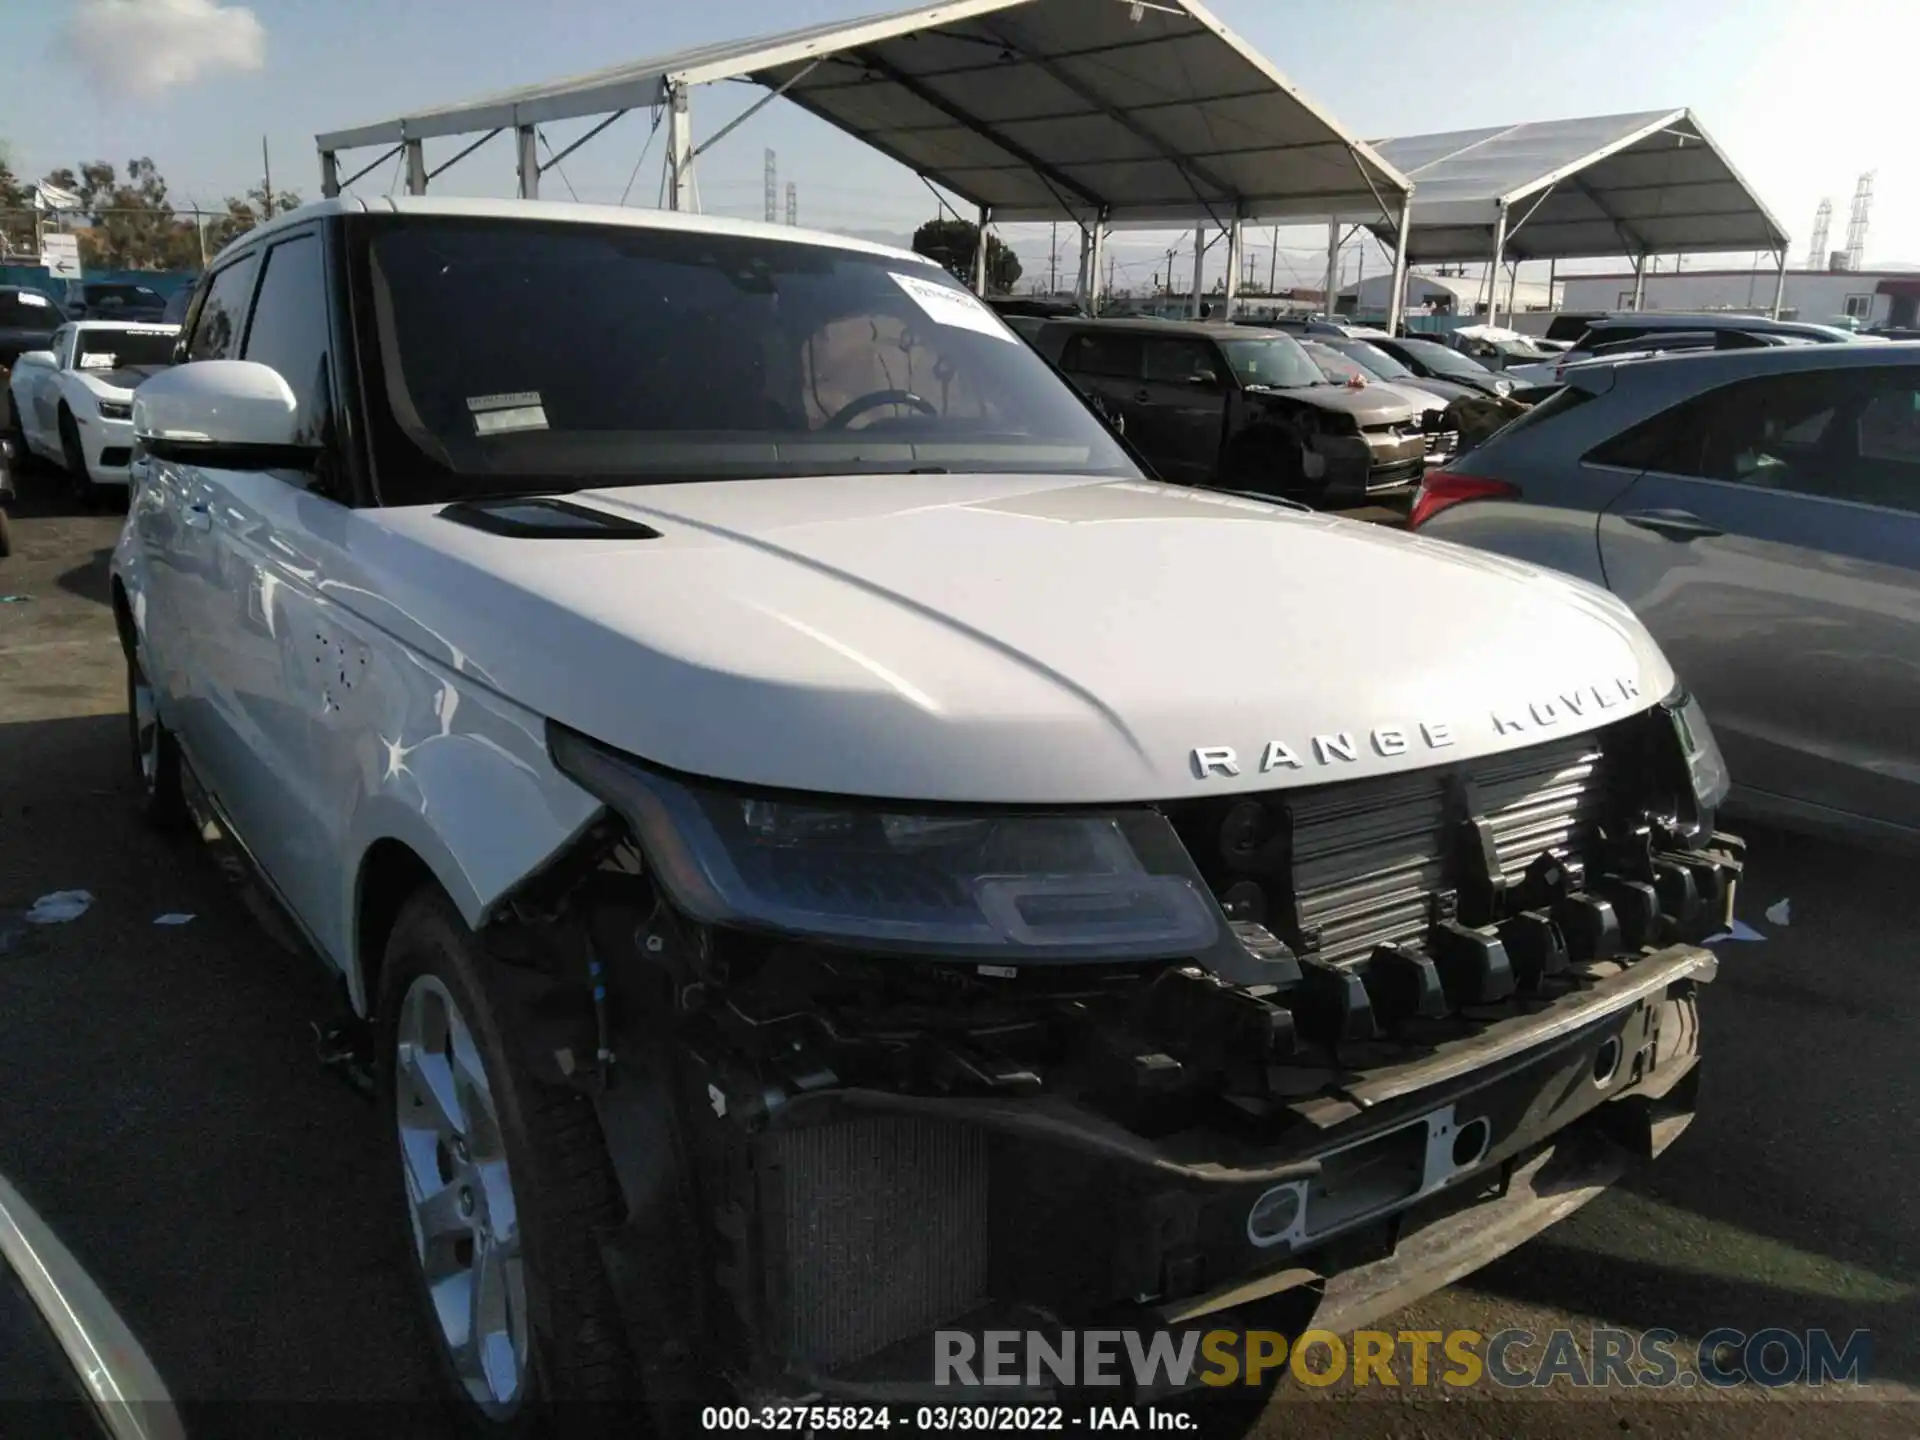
{"x": 1563, "y": 401}
{"x": 1117, "y": 355}
{"x": 216, "y": 332}
{"x": 1177, "y": 361}
{"x": 1849, "y": 435}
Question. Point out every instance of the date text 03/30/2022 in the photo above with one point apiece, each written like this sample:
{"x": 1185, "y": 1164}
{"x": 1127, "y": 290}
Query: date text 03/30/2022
{"x": 939, "y": 1419}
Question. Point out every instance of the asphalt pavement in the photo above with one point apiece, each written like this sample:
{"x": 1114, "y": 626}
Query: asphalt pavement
{"x": 160, "y": 1104}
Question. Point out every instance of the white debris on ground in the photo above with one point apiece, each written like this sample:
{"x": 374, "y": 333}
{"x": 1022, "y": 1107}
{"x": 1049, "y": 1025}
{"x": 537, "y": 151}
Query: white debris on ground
{"x": 1782, "y": 913}
{"x": 59, "y": 907}
{"x": 1740, "y": 931}
{"x": 172, "y": 917}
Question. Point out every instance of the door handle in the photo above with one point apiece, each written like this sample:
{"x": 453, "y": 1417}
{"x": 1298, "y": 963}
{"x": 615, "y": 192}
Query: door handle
{"x": 1679, "y": 525}
{"x": 197, "y": 516}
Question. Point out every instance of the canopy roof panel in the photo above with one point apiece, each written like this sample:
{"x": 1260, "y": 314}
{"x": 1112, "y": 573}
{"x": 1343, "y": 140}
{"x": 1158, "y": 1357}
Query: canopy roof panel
{"x": 1652, "y": 181}
{"x": 1040, "y": 109}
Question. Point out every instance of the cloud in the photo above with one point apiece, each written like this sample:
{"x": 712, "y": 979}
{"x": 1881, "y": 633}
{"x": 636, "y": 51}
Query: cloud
{"x": 145, "y": 47}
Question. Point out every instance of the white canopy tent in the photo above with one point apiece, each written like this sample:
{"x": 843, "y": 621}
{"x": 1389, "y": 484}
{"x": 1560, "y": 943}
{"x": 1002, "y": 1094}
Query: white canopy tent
{"x": 1097, "y": 112}
{"x": 1643, "y": 184}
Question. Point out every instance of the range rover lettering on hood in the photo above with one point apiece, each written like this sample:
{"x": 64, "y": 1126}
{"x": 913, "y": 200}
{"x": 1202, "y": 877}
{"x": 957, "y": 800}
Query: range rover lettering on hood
{"x": 1391, "y": 741}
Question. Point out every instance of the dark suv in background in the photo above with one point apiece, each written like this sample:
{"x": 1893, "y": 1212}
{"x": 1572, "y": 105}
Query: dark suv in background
{"x": 1223, "y": 404}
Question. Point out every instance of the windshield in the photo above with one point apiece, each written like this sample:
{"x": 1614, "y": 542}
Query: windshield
{"x": 1275, "y": 360}
{"x": 28, "y": 310}
{"x": 1518, "y": 349}
{"x": 517, "y": 355}
{"x": 1375, "y": 361}
{"x": 122, "y": 295}
{"x": 1439, "y": 358}
{"x": 1338, "y": 367}
{"x": 111, "y": 349}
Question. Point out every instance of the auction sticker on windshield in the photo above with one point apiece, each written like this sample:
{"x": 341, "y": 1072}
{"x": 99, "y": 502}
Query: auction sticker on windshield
{"x": 500, "y": 414}
{"x": 946, "y": 306}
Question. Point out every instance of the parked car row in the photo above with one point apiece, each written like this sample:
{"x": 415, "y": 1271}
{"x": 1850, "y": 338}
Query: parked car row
{"x": 1242, "y": 408}
{"x": 1616, "y": 337}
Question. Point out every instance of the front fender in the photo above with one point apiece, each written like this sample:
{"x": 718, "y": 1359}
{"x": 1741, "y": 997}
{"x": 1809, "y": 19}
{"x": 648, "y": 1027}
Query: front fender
{"x": 461, "y": 777}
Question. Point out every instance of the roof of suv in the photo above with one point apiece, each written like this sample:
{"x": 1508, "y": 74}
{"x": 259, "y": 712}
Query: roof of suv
{"x": 1710, "y": 320}
{"x": 568, "y": 212}
{"x": 1693, "y": 370}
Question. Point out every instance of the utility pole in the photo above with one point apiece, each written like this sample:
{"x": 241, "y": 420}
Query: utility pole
{"x": 1053, "y": 258}
{"x": 772, "y": 188}
{"x": 266, "y": 168}
{"x": 1273, "y": 264}
{"x": 1109, "y": 274}
{"x": 793, "y": 204}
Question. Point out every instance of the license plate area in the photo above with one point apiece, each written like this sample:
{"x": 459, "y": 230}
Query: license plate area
{"x": 1369, "y": 1177}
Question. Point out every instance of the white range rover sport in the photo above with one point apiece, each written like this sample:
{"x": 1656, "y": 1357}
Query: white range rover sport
{"x": 820, "y": 847}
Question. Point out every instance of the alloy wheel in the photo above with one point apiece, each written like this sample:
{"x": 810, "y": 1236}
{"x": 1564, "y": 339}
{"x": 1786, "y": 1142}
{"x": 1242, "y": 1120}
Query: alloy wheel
{"x": 460, "y": 1198}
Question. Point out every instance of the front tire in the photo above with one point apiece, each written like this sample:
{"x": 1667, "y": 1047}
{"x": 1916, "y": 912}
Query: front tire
{"x": 16, "y": 437}
{"x": 156, "y": 756}
{"x": 6, "y": 534}
{"x": 86, "y": 494}
{"x": 503, "y": 1188}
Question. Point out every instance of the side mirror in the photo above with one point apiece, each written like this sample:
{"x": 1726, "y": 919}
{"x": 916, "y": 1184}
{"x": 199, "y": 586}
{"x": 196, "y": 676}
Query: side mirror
{"x": 1204, "y": 380}
{"x": 44, "y": 357}
{"x": 229, "y": 414}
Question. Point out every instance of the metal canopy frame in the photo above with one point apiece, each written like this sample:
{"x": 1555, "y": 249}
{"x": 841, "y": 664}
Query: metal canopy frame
{"x": 1647, "y": 183}
{"x": 1097, "y": 112}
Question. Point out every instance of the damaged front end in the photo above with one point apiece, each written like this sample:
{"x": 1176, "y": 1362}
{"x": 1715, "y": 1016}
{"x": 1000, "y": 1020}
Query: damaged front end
{"x": 866, "y": 1074}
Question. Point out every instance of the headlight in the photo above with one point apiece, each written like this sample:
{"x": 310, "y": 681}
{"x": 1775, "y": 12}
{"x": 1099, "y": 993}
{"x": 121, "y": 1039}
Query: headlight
{"x": 1704, "y": 761}
{"x": 1039, "y": 887}
{"x": 116, "y": 410}
{"x": 1503, "y": 387}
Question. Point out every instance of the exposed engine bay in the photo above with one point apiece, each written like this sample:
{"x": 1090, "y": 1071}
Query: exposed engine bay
{"x": 1435, "y": 975}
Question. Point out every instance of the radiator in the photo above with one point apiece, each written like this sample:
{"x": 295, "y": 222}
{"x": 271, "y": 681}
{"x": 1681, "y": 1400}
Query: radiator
{"x": 1368, "y": 856}
{"x": 875, "y": 1230}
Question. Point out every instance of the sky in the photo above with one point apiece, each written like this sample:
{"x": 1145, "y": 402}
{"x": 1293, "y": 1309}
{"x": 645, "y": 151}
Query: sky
{"x": 1803, "y": 95}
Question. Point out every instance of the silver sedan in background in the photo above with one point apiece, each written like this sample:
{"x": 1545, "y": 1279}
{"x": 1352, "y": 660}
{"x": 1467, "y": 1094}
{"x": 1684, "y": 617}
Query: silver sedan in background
{"x": 1760, "y": 511}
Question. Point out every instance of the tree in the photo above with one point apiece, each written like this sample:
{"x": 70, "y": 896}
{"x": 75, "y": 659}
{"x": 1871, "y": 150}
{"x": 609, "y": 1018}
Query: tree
{"x": 245, "y": 212}
{"x": 16, "y": 208}
{"x": 952, "y": 243}
{"x": 134, "y": 226}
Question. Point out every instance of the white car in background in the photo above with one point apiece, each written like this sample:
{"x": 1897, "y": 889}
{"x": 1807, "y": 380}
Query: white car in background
{"x": 72, "y": 405}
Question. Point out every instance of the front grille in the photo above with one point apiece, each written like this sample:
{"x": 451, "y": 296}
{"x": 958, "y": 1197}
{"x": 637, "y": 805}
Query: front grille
{"x": 875, "y": 1230}
{"x": 1368, "y": 857}
{"x": 1344, "y": 868}
{"x": 1399, "y": 472}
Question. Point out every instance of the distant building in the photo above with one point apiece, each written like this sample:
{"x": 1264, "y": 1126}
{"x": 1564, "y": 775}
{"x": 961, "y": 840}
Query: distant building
{"x": 1441, "y": 295}
{"x": 1866, "y": 297}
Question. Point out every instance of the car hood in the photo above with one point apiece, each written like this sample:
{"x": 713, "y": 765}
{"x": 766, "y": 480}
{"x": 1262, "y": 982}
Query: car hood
{"x": 120, "y": 382}
{"x": 1418, "y": 393}
{"x": 1447, "y": 390}
{"x": 1369, "y": 405}
{"x": 1008, "y": 638}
